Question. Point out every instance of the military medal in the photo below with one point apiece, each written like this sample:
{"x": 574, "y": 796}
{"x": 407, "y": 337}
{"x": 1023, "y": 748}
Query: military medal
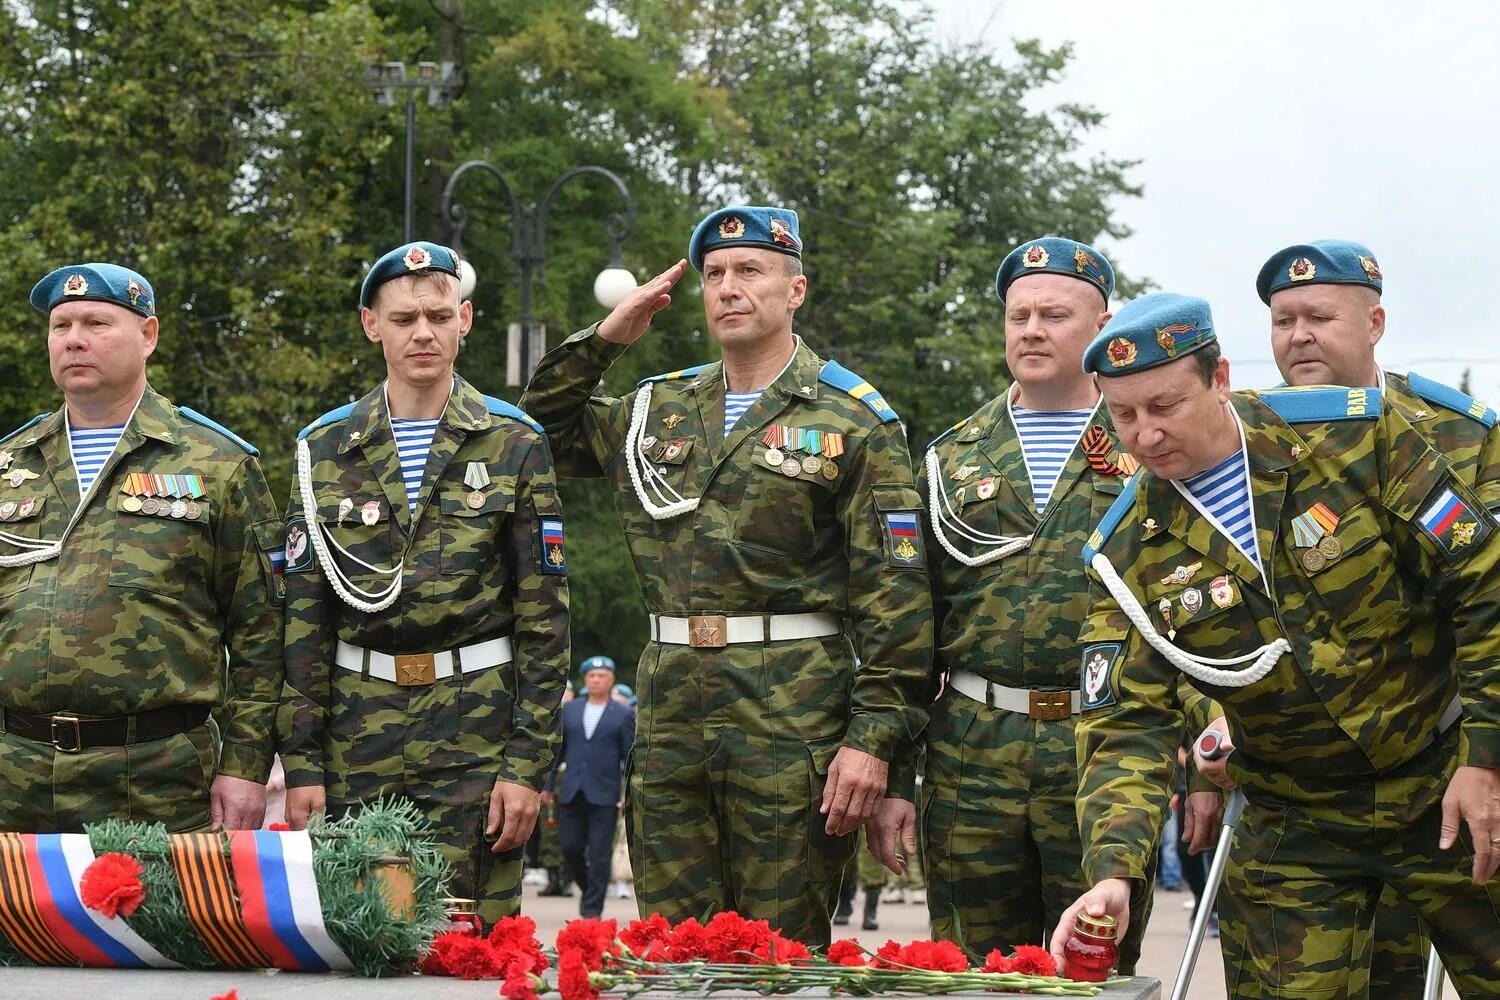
{"x": 833, "y": 447}
{"x": 986, "y": 488}
{"x": 812, "y": 464}
{"x": 131, "y": 505}
{"x": 1313, "y": 560}
{"x": 791, "y": 468}
{"x": 1221, "y": 592}
{"x": 370, "y": 512}
{"x": 19, "y": 476}
{"x": 346, "y": 507}
{"x": 774, "y": 456}
{"x": 193, "y": 510}
{"x": 150, "y": 505}
{"x": 130, "y": 487}
{"x": 830, "y": 469}
{"x": 1192, "y": 600}
{"x": 1330, "y": 547}
{"x": 178, "y": 509}
{"x": 1182, "y": 574}
{"x": 476, "y": 477}
{"x": 1312, "y": 531}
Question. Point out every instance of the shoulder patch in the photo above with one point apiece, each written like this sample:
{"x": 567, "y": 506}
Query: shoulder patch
{"x": 331, "y": 417}
{"x": 956, "y": 427}
{"x": 839, "y": 377}
{"x": 1320, "y": 404}
{"x": 500, "y": 408}
{"x": 199, "y": 418}
{"x": 1450, "y": 398}
{"x": 679, "y": 373}
{"x": 1117, "y": 512}
{"x": 39, "y": 417}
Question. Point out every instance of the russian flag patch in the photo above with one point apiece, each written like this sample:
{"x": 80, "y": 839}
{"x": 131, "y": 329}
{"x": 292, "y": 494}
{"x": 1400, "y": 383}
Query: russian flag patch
{"x": 554, "y": 558}
{"x": 903, "y": 536}
{"x": 1450, "y": 522}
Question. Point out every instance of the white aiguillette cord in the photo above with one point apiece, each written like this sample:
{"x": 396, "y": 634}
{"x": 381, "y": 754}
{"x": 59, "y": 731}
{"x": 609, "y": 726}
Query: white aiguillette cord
{"x": 945, "y": 515}
{"x": 674, "y": 503}
{"x": 1203, "y": 668}
{"x": 40, "y": 551}
{"x": 360, "y": 600}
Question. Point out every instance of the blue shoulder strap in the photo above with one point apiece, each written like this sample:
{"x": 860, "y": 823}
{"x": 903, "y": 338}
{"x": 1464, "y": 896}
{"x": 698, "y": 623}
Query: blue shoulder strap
{"x": 35, "y": 419}
{"x": 839, "y": 377}
{"x": 1450, "y": 398}
{"x": 1320, "y": 404}
{"x": 331, "y": 417}
{"x": 679, "y": 373}
{"x": 199, "y": 418}
{"x": 956, "y": 427}
{"x": 1112, "y": 518}
{"x": 500, "y": 408}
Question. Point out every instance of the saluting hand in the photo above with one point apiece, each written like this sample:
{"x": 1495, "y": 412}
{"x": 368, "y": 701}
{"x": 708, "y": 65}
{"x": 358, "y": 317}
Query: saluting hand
{"x": 628, "y": 321}
{"x": 1473, "y": 798}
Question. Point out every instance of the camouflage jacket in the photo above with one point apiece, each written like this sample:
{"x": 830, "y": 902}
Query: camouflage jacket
{"x": 1384, "y": 632}
{"x": 1456, "y": 425}
{"x": 1016, "y": 620}
{"x": 471, "y": 573}
{"x": 140, "y": 610}
{"x": 761, "y": 541}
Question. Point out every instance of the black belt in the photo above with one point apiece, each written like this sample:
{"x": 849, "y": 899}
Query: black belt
{"x": 69, "y": 733}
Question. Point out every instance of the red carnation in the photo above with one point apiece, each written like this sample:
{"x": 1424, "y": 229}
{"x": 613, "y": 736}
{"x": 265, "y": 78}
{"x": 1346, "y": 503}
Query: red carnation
{"x": 729, "y": 937}
{"x": 647, "y": 938}
{"x": 592, "y": 938}
{"x": 886, "y": 954}
{"x": 458, "y": 953}
{"x": 111, "y": 884}
{"x": 778, "y": 950}
{"x": 573, "y": 975}
{"x": 514, "y": 940}
{"x": 996, "y": 961}
{"x": 846, "y": 951}
{"x": 936, "y": 956}
{"x": 519, "y": 985}
{"x": 231, "y": 995}
{"x": 279, "y": 827}
{"x": 688, "y": 942}
{"x": 1033, "y": 961}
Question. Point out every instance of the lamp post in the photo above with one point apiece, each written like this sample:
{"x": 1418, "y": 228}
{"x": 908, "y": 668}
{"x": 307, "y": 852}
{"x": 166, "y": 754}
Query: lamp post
{"x": 440, "y": 80}
{"x": 528, "y": 247}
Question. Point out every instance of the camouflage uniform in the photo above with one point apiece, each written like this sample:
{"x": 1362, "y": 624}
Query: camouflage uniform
{"x": 136, "y": 615}
{"x": 733, "y": 744}
{"x": 1341, "y": 750}
{"x": 1000, "y": 831}
{"x": 472, "y": 574}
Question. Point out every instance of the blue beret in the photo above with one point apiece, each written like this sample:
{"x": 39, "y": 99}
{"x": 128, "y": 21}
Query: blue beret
{"x": 1149, "y": 331}
{"x": 625, "y": 691}
{"x": 1055, "y": 255}
{"x": 1324, "y": 262}
{"x": 746, "y": 226}
{"x": 95, "y": 283}
{"x": 596, "y": 663}
{"x": 420, "y": 257}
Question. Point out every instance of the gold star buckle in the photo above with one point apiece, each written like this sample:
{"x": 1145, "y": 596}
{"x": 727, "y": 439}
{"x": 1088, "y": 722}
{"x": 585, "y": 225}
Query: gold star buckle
{"x": 415, "y": 669}
{"x": 708, "y": 632}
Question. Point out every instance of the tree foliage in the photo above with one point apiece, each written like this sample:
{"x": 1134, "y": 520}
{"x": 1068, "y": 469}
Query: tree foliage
{"x": 230, "y": 152}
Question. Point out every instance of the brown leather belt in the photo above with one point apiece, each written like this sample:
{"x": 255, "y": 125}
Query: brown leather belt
{"x": 69, "y": 733}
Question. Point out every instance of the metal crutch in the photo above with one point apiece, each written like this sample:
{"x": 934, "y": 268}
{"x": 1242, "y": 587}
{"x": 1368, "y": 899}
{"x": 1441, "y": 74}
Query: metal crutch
{"x": 1434, "y": 985}
{"x": 1210, "y": 746}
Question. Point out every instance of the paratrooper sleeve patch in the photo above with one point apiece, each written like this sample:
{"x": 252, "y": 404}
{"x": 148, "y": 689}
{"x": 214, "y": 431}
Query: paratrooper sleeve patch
{"x": 1097, "y": 685}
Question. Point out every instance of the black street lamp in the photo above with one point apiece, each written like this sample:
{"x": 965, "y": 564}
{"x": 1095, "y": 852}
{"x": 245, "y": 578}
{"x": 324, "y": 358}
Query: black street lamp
{"x": 440, "y": 80}
{"x": 528, "y": 248}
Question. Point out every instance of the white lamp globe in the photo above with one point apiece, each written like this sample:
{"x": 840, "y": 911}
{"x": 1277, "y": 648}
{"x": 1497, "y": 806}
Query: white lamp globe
{"x": 612, "y": 285}
{"x": 467, "y": 279}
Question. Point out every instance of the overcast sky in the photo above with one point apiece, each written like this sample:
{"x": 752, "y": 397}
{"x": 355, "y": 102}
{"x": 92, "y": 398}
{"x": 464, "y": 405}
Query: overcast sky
{"x": 1262, "y": 124}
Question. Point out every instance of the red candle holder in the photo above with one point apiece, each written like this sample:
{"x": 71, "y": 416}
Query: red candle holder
{"x": 1091, "y": 953}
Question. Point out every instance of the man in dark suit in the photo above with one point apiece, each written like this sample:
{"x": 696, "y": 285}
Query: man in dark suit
{"x": 597, "y": 734}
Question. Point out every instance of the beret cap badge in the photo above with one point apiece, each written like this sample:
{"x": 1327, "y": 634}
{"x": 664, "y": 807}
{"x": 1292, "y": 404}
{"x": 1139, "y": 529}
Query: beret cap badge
{"x": 417, "y": 258}
{"x": 1302, "y": 269}
{"x": 1036, "y": 256}
{"x": 1167, "y": 336}
{"x": 782, "y": 235}
{"x": 1121, "y": 352}
{"x": 732, "y": 228}
{"x": 1372, "y": 269}
{"x": 76, "y": 284}
{"x": 138, "y": 296}
{"x": 1086, "y": 264}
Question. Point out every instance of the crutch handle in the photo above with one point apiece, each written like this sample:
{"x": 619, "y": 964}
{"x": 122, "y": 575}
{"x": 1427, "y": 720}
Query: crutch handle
{"x": 1211, "y": 745}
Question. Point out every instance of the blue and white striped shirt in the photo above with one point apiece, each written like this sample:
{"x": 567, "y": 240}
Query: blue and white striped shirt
{"x": 413, "y": 442}
{"x": 735, "y": 405}
{"x": 1224, "y": 491}
{"x": 1048, "y": 437}
{"x": 92, "y": 447}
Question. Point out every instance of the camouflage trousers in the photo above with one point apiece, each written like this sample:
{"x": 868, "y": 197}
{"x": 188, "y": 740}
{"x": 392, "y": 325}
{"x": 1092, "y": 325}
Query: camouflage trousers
{"x": 722, "y": 804}
{"x": 163, "y": 781}
{"x": 434, "y": 746}
{"x": 1399, "y": 949}
{"x": 863, "y": 869}
{"x": 1000, "y": 829}
{"x": 549, "y": 849}
{"x": 1307, "y": 868}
